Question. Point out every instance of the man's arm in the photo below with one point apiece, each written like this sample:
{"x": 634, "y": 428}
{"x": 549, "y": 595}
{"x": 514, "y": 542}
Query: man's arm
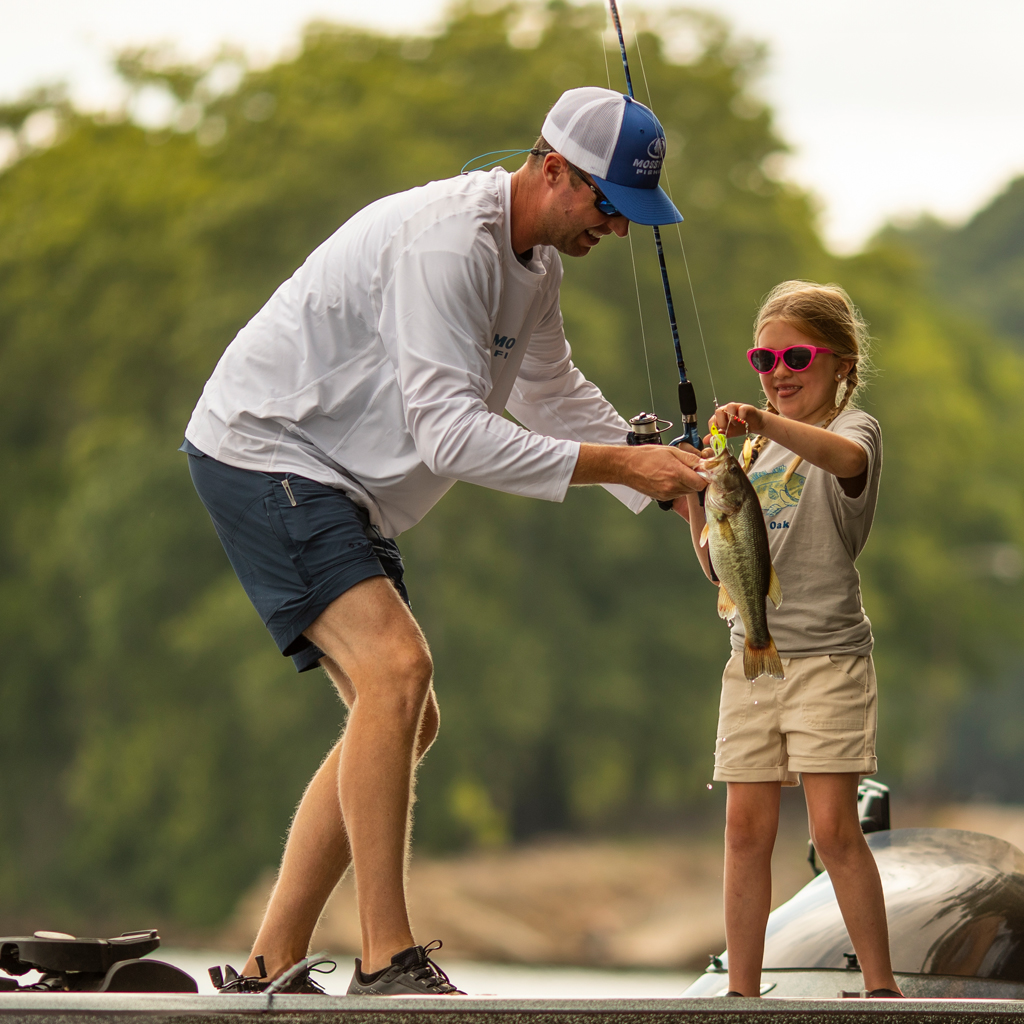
{"x": 441, "y": 306}
{"x": 551, "y": 396}
{"x": 658, "y": 471}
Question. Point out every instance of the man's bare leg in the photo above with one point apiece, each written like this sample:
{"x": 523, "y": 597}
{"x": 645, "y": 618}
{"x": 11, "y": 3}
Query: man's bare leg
{"x": 378, "y": 660}
{"x": 315, "y": 857}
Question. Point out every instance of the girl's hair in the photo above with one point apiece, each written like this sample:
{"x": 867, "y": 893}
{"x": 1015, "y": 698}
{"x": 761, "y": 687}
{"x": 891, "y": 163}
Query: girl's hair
{"x": 826, "y": 315}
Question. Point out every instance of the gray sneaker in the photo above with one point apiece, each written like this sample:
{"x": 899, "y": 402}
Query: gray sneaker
{"x": 412, "y": 973}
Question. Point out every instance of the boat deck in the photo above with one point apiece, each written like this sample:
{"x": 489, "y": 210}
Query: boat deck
{"x": 131, "y": 1008}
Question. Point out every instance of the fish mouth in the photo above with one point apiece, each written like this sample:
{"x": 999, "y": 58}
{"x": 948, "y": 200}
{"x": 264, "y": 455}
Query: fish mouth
{"x": 708, "y": 465}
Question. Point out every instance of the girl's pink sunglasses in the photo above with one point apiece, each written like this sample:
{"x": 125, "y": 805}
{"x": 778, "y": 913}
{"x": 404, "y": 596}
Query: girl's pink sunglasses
{"x": 796, "y": 357}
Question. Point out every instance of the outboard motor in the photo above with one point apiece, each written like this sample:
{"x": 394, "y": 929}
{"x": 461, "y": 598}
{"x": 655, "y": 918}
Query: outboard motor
{"x": 70, "y": 964}
{"x": 955, "y": 907}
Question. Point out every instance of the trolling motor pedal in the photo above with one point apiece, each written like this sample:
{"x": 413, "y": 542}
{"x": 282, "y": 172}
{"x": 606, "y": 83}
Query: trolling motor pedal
{"x": 70, "y": 964}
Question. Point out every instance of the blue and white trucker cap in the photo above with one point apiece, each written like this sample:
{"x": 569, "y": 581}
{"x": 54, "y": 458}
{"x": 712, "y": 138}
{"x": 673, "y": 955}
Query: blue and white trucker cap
{"x": 620, "y": 144}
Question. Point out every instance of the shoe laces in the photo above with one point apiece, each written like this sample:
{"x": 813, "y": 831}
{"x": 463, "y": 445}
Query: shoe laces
{"x": 296, "y": 976}
{"x": 315, "y": 965}
{"x": 299, "y": 975}
{"x": 430, "y": 973}
{"x": 232, "y": 981}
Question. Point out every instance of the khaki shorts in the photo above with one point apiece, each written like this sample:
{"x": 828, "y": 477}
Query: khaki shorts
{"x": 820, "y": 718}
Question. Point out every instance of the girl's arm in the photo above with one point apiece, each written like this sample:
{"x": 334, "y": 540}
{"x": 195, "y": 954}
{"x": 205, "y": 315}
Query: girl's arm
{"x": 689, "y": 508}
{"x": 831, "y": 452}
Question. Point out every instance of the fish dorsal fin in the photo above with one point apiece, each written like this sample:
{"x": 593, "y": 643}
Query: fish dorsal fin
{"x": 704, "y": 535}
{"x": 726, "y": 605}
{"x": 775, "y": 588}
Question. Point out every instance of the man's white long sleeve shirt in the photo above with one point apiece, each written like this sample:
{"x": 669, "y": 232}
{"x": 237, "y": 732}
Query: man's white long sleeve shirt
{"x": 383, "y": 365}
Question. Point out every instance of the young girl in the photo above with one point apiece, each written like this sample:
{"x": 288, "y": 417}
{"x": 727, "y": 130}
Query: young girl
{"x": 816, "y": 468}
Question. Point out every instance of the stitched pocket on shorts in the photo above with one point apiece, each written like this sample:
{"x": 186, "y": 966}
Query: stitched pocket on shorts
{"x": 837, "y": 700}
{"x": 324, "y": 529}
{"x": 735, "y": 701}
{"x": 281, "y": 532}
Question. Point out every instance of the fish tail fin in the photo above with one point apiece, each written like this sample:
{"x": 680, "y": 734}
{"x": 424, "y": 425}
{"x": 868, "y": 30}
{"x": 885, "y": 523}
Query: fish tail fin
{"x": 762, "y": 661}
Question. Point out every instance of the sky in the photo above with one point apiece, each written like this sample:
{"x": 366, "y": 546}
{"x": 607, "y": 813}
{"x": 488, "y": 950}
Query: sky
{"x": 892, "y": 107}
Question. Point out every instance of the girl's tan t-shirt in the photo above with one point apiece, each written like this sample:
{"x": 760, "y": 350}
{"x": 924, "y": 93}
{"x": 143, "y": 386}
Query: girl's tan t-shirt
{"x": 815, "y": 533}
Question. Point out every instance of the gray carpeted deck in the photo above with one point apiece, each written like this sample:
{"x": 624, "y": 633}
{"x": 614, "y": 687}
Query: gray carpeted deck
{"x": 123, "y": 1008}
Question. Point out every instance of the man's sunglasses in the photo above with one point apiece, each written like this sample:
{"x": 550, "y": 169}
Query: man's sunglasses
{"x": 796, "y": 357}
{"x": 603, "y": 204}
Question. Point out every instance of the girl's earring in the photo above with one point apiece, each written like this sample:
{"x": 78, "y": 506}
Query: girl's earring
{"x": 839, "y": 376}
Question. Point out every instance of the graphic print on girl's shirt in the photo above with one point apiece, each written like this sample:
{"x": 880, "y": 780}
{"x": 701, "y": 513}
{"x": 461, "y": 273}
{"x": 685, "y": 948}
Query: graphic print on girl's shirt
{"x": 775, "y": 496}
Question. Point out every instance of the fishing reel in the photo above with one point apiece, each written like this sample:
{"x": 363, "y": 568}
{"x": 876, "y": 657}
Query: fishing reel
{"x": 645, "y": 430}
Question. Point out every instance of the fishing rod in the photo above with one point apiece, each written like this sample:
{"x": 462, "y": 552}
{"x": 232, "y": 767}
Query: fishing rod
{"x": 645, "y": 425}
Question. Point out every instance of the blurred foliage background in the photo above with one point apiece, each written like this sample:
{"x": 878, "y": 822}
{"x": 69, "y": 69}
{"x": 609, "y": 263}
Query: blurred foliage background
{"x": 153, "y": 743}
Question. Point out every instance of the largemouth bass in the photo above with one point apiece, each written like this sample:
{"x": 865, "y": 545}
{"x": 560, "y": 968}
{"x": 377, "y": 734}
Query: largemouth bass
{"x": 738, "y": 542}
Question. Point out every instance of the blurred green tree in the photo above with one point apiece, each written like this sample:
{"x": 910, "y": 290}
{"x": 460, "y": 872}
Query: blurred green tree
{"x": 978, "y": 267}
{"x": 152, "y": 742}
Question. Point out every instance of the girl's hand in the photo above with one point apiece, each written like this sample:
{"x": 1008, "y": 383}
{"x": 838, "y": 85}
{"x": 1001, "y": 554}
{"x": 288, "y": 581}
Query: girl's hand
{"x": 738, "y": 418}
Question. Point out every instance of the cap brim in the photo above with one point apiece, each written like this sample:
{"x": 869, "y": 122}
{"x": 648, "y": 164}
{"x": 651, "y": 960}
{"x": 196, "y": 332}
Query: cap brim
{"x": 640, "y": 205}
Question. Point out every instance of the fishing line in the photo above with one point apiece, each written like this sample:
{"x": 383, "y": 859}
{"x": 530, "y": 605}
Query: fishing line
{"x": 632, "y": 256}
{"x": 604, "y": 50}
{"x": 643, "y": 333}
{"x": 679, "y": 233}
{"x": 643, "y": 72}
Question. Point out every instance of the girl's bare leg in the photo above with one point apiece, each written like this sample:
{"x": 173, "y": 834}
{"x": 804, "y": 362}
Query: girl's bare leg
{"x": 751, "y": 824}
{"x": 835, "y": 832}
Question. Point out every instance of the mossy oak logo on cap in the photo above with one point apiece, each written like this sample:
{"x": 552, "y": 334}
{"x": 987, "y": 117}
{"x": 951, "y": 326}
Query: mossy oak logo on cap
{"x": 656, "y": 154}
{"x": 657, "y": 149}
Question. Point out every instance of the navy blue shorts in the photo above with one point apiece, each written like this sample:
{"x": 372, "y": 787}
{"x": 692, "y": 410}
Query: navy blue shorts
{"x": 295, "y": 552}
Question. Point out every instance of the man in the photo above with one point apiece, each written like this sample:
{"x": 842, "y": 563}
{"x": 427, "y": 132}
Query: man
{"x": 374, "y": 378}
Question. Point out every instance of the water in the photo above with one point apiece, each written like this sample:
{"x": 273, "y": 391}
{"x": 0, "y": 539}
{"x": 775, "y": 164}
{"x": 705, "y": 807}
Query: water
{"x": 514, "y": 981}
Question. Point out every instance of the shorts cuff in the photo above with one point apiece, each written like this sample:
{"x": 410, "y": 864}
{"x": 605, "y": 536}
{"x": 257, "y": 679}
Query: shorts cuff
{"x": 834, "y": 765}
{"x": 778, "y": 773}
{"x": 289, "y": 633}
{"x": 308, "y": 658}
